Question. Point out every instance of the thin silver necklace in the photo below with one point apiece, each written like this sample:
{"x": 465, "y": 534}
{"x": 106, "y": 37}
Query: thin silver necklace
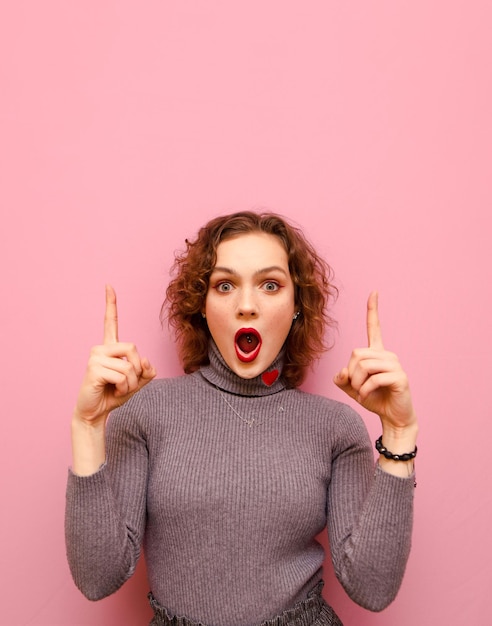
{"x": 247, "y": 421}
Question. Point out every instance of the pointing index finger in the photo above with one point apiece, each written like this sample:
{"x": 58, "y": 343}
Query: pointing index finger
{"x": 374, "y": 336}
{"x": 110, "y": 317}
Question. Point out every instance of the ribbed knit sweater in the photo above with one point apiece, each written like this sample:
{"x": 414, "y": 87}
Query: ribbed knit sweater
{"x": 227, "y": 482}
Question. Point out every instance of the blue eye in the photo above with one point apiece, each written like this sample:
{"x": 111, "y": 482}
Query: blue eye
{"x": 271, "y": 286}
{"x": 224, "y": 287}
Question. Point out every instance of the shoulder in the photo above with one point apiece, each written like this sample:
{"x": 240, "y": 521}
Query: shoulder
{"x": 155, "y": 399}
{"x": 164, "y": 387}
{"x": 342, "y": 421}
{"x": 324, "y": 406}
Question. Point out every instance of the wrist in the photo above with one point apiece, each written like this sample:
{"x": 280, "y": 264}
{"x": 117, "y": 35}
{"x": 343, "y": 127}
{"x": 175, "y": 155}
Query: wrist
{"x": 397, "y": 449}
{"x": 90, "y": 424}
{"x": 392, "y": 456}
{"x": 400, "y": 437}
{"x": 88, "y": 444}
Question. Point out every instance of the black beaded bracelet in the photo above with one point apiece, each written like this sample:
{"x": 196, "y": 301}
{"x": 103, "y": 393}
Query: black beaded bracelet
{"x": 407, "y": 456}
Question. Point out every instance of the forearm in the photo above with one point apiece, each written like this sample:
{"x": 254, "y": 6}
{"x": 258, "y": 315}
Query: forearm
{"x": 369, "y": 522}
{"x": 88, "y": 445}
{"x": 100, "y": 540}
{"x": 374, "y": 556}
{"x": 105, "y": 509}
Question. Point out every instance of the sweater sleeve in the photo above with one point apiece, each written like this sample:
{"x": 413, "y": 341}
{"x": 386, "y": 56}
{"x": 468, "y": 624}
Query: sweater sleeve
{"x": 105, "y": 512}
{"x": 370, "y": 516}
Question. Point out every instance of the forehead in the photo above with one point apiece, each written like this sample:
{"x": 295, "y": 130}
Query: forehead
{"x": 258, "y": 249}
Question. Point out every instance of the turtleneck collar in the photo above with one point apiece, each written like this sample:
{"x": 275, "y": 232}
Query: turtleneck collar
{"x": 219, "y": 373}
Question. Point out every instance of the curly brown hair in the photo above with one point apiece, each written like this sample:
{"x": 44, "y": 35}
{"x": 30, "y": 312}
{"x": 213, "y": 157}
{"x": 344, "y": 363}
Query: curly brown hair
{"x": 311, "y": 275}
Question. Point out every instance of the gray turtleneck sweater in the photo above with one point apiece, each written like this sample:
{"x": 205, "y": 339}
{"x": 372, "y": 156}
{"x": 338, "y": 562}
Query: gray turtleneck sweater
{"x": 227, "y": 482}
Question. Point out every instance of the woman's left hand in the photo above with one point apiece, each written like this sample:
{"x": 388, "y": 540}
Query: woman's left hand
{"x": 375, "y": 378}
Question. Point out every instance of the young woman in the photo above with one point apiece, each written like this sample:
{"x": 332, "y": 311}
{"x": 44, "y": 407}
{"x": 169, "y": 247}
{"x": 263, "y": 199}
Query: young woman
{"x": 227, "y": 474}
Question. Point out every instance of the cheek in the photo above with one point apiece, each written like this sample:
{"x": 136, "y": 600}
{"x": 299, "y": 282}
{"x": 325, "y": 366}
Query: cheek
{"x": 217, "y": 317}
{"x": 215, "y": 310}
{"x": 282, "y": 321}
{"x": 286, "y": 311}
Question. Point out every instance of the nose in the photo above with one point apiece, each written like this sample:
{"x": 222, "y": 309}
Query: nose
{"x": 247, "y": 305}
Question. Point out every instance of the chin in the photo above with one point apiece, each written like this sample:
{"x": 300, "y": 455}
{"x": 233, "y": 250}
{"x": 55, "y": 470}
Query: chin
{"x": 251, "y": 370}
{"x": 248, "y": 375}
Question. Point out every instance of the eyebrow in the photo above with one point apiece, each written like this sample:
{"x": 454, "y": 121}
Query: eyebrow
{"x": 264, "y": 270}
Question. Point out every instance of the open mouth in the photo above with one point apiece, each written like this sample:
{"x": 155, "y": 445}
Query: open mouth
{"x": 247, "y": 343}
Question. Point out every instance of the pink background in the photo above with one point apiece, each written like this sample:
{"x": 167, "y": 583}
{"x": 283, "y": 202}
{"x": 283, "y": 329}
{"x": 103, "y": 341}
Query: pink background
{"x": 126, "y": 125}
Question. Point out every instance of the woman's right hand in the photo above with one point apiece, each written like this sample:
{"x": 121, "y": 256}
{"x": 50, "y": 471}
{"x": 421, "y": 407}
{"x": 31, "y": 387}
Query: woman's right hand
{"x": 115, "y": 372}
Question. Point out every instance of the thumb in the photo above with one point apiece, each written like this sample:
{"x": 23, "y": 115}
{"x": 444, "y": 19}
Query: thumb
{"x": 342, "y": 381}
{"x": 148, "y": 370}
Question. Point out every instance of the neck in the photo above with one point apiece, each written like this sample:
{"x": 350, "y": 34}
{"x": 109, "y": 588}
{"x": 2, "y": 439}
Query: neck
{"x": 220, "y": 374}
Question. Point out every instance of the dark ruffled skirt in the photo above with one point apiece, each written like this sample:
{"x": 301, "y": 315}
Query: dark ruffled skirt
{"x": 313, "y": 611}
